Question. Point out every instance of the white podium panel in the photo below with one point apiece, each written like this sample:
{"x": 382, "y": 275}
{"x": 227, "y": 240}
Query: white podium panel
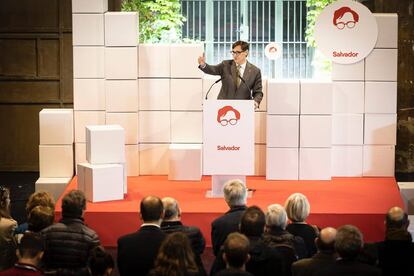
{"x": 153, "y": 159}
{"x": 283, "y": 97}
{"x": 315, "y": 164}
{"x": 259, "y": 160}
{"x": 56, "y": 126}
{"x": 89, "y": 94}
{"x": 154, "y": 61}
{"x": 387, "y": 30}
{"x": 105, "y": 144}
{"x": 132, "y": 160}
{"x": 260, "y": 127}
{"x": 348, "y": 97}
{"x": 184, "y": 60}
{"x": 347, "y": 129}
{"x": 347, "y": 161}
{"x": 381, "y": 65}
{"x": 186, "y": 94}
{"x": 121, "y": 95}
{"x": 380, "y": 129}
{"x": 185, "y": 162}
{"x": 88, "y": 29}
{"x": 381, "y": 97}
{"x": 348, "y": 72}
{"x": 128, "y": 121}
{"x": 121, "y": 29}
{"x": 282, "y": 131}
{"x": 282, "y": 164}
{"x": 154, "y": 94}
{"x": 315, "y": 97}
{"x": 186, "y": 127}
{"x": 228, "y": 138}
{"x": 56, "y": 161}
{"x": 86, "y": 118}
{"x": 88, "y": 62}
{"x": 154, "y": 127}
{"x": 315, "y": 131}
{"x": 90, "y": 6}
{"x": 121, "y": 63}
{"x": 379, "y": 160}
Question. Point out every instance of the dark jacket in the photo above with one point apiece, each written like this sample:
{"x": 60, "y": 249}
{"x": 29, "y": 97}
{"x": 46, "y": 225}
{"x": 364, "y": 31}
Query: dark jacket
{"x": 251, "y": 88}
{"x": 232, "y": 272}
{"x": 311, "y": 266}
{"x": 307, "y": 232}
{"x": 343, "y": 267}
{"x": 68, "y": 244}
{"x": 138, "y": 251}
{"x": 224, "y": 225}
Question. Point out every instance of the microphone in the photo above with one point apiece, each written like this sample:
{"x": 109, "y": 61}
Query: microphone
{"x": 208, "y": 91}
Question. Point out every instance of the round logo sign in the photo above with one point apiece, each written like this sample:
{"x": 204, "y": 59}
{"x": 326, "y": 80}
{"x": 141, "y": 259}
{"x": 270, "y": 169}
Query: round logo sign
{"x": 346, "y": 31}
{"x": 273, "y": 50}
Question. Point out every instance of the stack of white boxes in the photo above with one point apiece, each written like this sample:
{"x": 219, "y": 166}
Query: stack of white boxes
{"x": 55, "y": 150}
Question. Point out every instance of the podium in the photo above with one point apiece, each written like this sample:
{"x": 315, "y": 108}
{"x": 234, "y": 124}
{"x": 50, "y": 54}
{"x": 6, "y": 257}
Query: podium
{"x": 228, "y": 141}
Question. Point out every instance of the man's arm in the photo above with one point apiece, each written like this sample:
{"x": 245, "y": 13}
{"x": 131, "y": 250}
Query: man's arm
{"x": 209, "y": 69}
{"x": 257, "y": 91}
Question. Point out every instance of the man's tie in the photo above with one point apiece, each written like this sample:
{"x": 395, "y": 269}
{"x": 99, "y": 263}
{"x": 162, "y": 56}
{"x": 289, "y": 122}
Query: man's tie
{"x": 238, "y": 66}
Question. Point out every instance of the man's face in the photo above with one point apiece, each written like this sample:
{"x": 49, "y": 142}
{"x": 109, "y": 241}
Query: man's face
{"x": 238, "y": 55}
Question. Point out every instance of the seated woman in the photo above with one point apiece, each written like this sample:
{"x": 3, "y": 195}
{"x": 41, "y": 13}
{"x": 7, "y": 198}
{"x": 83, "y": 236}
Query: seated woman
{"x": 7, "y": 227}
{"x": 298, "y": 209}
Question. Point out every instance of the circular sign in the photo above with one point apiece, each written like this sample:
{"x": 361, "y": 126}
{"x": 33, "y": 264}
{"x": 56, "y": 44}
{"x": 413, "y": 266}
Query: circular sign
{"x": 346, "y": 31}
{"x": 273, "y": 50}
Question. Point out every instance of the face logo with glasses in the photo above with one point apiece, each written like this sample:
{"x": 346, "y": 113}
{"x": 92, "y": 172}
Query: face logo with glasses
{"x": 345, "y": 17}
{"x": 228, "y": 116}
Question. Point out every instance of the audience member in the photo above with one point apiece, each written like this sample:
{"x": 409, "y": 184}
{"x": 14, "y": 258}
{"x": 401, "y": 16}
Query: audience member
{"x": 29, "y": 253}
{"x": 172, "y": 223}
{"x": 7, "y": 228}
{"x": 235, "y": 195}
{"x": 175, "y": 257}
{"x": 137, "y": 251}
{"x": 324, "y": 256}
{"x": 100, "y": 262}
{"x": 298, "y": 208}
{"x": 68, "y": 244}
{"x": 40, "y": 217}
{"x": 236, "y": 255}
{"x": 348, "y": 245}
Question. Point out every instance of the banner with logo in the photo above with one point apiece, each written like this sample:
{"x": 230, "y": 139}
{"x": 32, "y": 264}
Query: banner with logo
{"x": 228, "y": 137}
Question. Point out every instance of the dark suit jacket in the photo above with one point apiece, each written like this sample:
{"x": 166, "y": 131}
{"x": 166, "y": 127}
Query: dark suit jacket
{"x": 224, "y": 225}
{"x": 349, "y": 268}
{"x": 307, "y": 233}
{"x": 311, "y": 266}
{"x": 137, "y": 251}
{"x": 250, "y": 89}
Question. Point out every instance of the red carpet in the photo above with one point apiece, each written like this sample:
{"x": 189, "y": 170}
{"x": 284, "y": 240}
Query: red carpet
{"x": 358, "y": 201}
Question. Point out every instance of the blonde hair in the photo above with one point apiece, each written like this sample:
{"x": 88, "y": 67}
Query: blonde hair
{"x": 297, "y": 207}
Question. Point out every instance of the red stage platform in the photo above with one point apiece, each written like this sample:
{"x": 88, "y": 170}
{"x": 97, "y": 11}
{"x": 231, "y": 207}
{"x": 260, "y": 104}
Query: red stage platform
{"x": 358, "y": 201}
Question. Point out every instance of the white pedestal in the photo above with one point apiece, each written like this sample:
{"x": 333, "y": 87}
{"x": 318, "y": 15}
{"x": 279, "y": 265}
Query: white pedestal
{"x": 185, "y": 162}
{"x": 121, "y": 29}
{"x": 105, "y": 144}
{"x": 55, "y": 186}
{"x": 56, "y": 161}
{"x": 56, "y": 126}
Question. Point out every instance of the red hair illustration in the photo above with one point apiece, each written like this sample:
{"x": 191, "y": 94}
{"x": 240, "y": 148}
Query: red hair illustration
{"x": 224, "y": 110}
{"x": 339, "y": 13}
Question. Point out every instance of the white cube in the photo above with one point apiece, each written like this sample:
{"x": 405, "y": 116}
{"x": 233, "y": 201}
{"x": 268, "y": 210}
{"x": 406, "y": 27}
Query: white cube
{"x": 56, "y": 161}
{"x": 103, "y": 182}
{"x": 259, "y": 160}
{"x": 56, "y": 126}
{"x": 80, "y": 154}
{"x": 387, "y": 30}
{"x": 381, "y": 65}
{"x": 89, "y": 94}
{"x": 132, "y": 159}
{"x": 88, "y": 62}
{"x": 348, "y": 97}
{"x": 121, "y": 95}
{"x": 153, "y": 159}
{"x": 381, "y": 97}
{"x": 348, "y": 72}
{"x": 379, "y": 160}
{"x": 128, "y": 121}
{"x": 348, "y": 129}
{"x": 154, "y": 127}
{"x": 283, "y": 97}
{"x": 88, "y": 29}
{"x": 260, "y": 127}
{"x": 86, "y": 118}
{"x": 184, "y": 60}
{"x": 121, "y": 29}
{"x": 154, "y": 61}
{"x": 315, "y": 97}
{"x": 380, "y": 129}
{"x": 315, "y": 164}
{"x": 186, "y": 127}
{"x": 215, "y": 83}
{"x": 90, "y": 6}
{"x": 315, "y": 131}
{"x": 105, "y": 144}
{"x": 263, "y": 103}
{"x": 407, "y": 195}
{"x": 185, "y": 162}
{"x": 282, "y": 131}
{"x": 53, "y": 185}
{"x": 154, "y": 94}
{"x": 347, "y": 161}
{"x": 282, "y": 164}
{"x": 121, "y": 63}
{"x": 186, "y": 94}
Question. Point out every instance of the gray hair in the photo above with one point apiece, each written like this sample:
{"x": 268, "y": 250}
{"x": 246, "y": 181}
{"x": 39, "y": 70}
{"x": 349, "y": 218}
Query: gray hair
{"x": 276, "y": 216}
{"x": 171, "y": 208}
{"x": 297, "y": 207}
{"x": 235, "y": 193}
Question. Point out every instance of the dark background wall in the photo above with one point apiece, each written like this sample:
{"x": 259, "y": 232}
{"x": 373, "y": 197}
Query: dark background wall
{"x": 36, "y": 72}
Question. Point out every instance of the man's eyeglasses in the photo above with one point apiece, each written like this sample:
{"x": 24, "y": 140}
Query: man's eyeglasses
{"x": 236, "y": 53}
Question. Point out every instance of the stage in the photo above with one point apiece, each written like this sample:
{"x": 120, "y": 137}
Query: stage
{"x": 358, "y": 201}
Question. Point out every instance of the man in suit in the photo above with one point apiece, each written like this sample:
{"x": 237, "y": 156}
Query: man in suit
{"x": 137, "y": 251}
{"x": 240, "y": 79}
{"x": 325, "y": 254}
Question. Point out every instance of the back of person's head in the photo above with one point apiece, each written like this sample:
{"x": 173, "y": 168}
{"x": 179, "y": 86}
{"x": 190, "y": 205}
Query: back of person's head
{"x": 4, "y": 202}
{"x": 243, "y": 44}
{"x": 40, "y": 198}
{"x": 171, "y": 208}
{"x": 175, "y": 256}
{"x": 235, "y": 193}
{"x": 396, "y": 218}
{"x": 100, "y": 262}
{"x": 252, "y": 222}
{"x": 73, "y": 204}
{"x": 151, "y": 209}
{"x": 40, "y": 217}
{"x": 236, "y": 250}
{"x": 31, "y": 246}
{"x": 348, "y": 242}
{"x": 326, "y": 240}
{"x": 276, "y": 217}
{"x": 297, "y": 207}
